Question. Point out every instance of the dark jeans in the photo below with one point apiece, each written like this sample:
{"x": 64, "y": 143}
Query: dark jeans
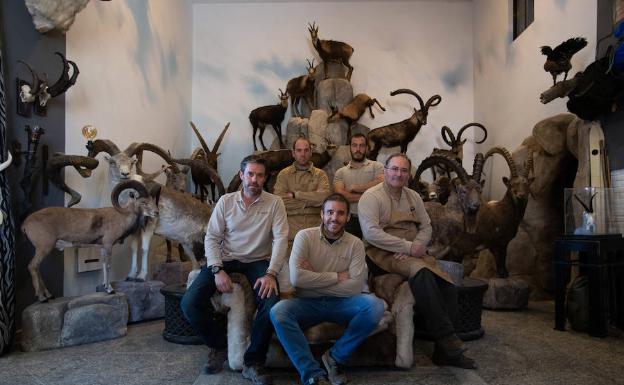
{"x": 436, "y": 301}
{"x": 199, "y": 312}
{"x": 353, "y": 226}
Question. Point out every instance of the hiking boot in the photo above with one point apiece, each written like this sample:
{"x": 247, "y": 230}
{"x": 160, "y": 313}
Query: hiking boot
{"x": 317, "y": 381}
{"x": 441, "y": 358}
{"x": 450, "y": 345}
{"x": 257, "y": 374}
{"x": 335, "y": 371}
{"x": 216, "y": 358}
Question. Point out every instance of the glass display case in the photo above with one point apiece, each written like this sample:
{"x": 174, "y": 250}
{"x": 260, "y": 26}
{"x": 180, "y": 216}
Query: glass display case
{"x": 594, "y": 210}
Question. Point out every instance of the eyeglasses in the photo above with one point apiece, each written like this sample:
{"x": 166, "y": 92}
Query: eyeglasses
{"x": 397, "y": 169}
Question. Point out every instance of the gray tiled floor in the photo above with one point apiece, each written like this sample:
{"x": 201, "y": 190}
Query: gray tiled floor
{"x": 518, "y": 348}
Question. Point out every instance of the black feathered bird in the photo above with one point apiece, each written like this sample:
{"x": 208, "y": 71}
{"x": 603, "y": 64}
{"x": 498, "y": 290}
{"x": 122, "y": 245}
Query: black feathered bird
{"x": 558, "y": 59}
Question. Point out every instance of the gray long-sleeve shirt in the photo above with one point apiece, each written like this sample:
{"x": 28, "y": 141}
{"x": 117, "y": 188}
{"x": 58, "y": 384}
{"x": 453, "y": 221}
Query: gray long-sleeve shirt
{"x": 247, "y": 234}
{"x": 327, "y": 259}
{"x": 374, "y": 211}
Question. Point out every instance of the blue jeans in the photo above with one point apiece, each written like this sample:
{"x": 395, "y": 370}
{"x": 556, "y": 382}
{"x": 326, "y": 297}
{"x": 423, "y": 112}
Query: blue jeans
{"x": 360, "y": 314}
{"x": 198, "y": 310}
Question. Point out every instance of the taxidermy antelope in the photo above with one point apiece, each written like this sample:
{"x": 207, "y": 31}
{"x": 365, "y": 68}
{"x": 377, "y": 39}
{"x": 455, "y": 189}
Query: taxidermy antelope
{"x": 331, "y": 50}
{"x": 272, "y": 115}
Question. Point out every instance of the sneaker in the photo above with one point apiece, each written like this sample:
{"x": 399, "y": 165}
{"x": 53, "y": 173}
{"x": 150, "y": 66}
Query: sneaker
{"x": 257, "y": 375}
{"x": 317, "y": 381}
{"x": 440, "y": 358}
{"x": 216, "y": 358}
{"x": 335, "y": 371}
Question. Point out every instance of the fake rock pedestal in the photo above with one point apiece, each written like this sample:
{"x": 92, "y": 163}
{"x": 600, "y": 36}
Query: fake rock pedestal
{"x": 72, "y": 321}
{"x": 144, "y": 299}
{"x": 506, "y": 293}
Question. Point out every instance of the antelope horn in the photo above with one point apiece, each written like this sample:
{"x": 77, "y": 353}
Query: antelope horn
{"x": 61, "y": 84}
{"x": 126, "y": 185}
{"x": 449, "y": 163}
{"x": 35, "y": 77}
{"x": 587, "y": 209}
{"x": 408, "y": 91}
{"x": 215, "y": 148}
{"x": 433, "y": 101}
{"x": 105, "y": 145}
{"x": 461, "y": 131}
{"x": 447, "y": 136}
{"x": 591, "y": 203}
{"x": 202, "y": 142}
{"x": 477, "y": 167}
{"x": 513, "y": 170}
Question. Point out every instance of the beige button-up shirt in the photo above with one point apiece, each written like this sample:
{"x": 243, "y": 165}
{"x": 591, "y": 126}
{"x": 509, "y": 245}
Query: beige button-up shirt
{"x": 247, "y": 234}
{"x": 374, "y": 211}
{"x": 327, "y": 259}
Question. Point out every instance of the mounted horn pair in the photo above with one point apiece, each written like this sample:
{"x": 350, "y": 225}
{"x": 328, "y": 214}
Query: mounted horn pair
{"x": 424, "y": 107}
{"x": 450, "y": 164}
{"x": 41, "y": 91}
{"x": 451, "y": 140}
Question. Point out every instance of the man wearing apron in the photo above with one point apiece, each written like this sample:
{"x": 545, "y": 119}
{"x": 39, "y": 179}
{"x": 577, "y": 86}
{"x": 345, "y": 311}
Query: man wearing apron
{"x": 397, "y": 230}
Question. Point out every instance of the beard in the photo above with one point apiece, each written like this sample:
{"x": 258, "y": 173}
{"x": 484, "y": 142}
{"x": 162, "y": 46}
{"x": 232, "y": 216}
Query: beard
{"x": 358, "y": 156}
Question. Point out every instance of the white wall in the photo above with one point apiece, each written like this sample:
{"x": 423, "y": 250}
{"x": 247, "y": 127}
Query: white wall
{"x": 509, "y": 75}
{"x": 134, "y": 86}
{"x": 244, "y": 52}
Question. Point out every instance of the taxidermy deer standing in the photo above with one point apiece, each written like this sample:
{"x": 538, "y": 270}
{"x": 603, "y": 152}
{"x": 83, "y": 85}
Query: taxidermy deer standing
{"x": 331, "y": 50}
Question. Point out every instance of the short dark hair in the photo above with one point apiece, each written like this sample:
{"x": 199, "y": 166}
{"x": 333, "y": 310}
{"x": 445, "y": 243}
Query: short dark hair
{"x": 335, "y": 197}
{"x": 358, "y": 135}
{"x": 252, "y": 159}
{"x": 398, "y": 154}
{"x": 302, "y": 138}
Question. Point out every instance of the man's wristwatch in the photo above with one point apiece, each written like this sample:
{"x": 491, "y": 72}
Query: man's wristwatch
{"x": 215, "y": 269}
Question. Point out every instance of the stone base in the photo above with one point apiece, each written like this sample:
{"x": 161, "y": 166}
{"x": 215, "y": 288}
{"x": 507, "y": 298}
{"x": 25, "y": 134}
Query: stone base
{"x": 70, "y": 321}
{"x": 173, "y": 273}
{"x": 145, "y": 300}
{"x": 336, "y": 92}
{"x": 506, "y": 293}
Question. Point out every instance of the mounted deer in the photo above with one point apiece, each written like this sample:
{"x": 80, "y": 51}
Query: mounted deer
{"x": 403, "y": 132}
{"x": 302, "y": 87}
{"x": 272, "y": 115}
{"x": 330, "y": 50}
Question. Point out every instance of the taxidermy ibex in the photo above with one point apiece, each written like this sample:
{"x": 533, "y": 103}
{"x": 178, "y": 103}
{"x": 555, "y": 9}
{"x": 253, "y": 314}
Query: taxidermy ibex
{"x": 269, "y": 115}
{"x": 331, "y": 50}
{"x": 40, "y": 90}
{"x": 456, "y": 152}
{"x": 403, "y": 132}
{"x": 302, "y": 87}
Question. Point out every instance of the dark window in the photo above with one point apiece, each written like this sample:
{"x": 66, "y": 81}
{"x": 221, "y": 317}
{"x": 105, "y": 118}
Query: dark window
{"x": 523, "y": 11}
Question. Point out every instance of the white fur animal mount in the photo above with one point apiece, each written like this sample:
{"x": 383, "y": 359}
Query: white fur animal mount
{"x": 54, "y": 14}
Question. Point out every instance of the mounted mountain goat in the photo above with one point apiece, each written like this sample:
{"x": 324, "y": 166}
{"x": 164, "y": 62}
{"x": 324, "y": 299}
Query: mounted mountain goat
{"x": 331, "y": 50}
{"x": 459, "y": 214}
{"x": 272, "y": 115}
{"x": 182, "y": 219}
{"x": 302, "y": 87}
{"x": 498, "y": 221}
{"x": 403, "y": 132}
{"x": 62, "y": 227}
{"x": 456, "y": 152}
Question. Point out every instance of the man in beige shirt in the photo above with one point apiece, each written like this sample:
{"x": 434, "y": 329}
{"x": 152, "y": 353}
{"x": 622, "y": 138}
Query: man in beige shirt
{"x": 247, "y": 233}
{"x": 328, "y": 268}
{"x": 303, "y": 188}
{"x": 397, "y": 228}
{"x": 356, "y": 177}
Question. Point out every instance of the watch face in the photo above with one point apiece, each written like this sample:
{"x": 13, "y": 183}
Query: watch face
{"x": 215, "y": 269}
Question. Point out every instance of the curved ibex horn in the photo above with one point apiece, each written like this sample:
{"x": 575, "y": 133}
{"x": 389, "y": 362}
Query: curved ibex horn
{"x": 126, "y": 185}
{"x": 461, "y": 131}
{"x": 433, "y": 101}
{"x": 477, "y": 167}
{"x": 449, "y": 163}
{"x": 447, "y": 136}
{"x": 528, "y": 165}
{"x": 138, "y": 148}
{"x": 513, "y": 170}
{"x": 408, "y": 91}
{"x": 105, "y": 145}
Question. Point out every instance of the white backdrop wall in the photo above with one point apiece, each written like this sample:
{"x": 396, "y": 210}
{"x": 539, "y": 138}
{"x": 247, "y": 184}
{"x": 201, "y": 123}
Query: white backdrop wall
{"x": 134, "y": 86}
{"x": 509, "y": 75}
{"x": 244, "y": 52}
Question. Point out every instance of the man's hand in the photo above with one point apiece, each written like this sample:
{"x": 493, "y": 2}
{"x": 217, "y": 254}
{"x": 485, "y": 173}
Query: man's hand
{"x": 401, "y": 256}
{"x": 417, "y": 250}
{"x": 223, "y": 282}
{"x": 343, "y": 276}
{"x": 288, "y": 194}
{"x": 304, "y": 264}
{"x": 267, "y": 285}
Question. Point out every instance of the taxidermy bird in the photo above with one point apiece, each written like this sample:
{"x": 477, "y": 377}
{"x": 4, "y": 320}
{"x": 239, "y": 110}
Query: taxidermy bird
{"x": 558, "y": 59}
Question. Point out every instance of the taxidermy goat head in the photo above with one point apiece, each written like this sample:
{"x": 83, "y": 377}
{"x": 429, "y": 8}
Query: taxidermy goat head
{"x": 40, "y": 91}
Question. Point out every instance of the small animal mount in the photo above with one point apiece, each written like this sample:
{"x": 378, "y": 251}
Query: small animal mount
{"x": 302, "y": 87}
{"x": 353, "y": 111}
{"x": 38, "y": 92}
{"x": 558, "y": 59}
{"x": 83, "y": 164}
{"x": 588, "y": 224}
{"x": 331, "y": 50}
{"x": 272, "y": 115}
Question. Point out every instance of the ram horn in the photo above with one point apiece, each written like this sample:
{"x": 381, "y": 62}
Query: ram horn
{"x": 83, "y": 164}
{"x": 138, "y": 148}
{"x": 103, "y": 145}
{"x": 127, "y": 185}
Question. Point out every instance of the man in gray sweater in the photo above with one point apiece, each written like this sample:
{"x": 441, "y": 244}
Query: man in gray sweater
{"x": 328, "y": 270}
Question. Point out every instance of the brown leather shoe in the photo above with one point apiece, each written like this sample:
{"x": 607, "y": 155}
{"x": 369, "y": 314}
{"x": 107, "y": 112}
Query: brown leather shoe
{"x": 451, "y": 345}
{"x": 216, "y": 358}
{"x": 440, "y": 358}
